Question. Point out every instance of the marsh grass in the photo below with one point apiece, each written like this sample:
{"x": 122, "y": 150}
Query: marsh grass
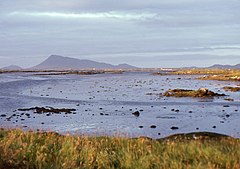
{"x": 203, "y": 71}
{"x": 19, "y": 149}
{"x": 231, "y": 89}
{"x": 212, "y": 74}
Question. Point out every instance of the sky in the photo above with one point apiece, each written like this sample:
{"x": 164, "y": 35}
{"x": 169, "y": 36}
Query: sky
{"x": 152, "y": 33}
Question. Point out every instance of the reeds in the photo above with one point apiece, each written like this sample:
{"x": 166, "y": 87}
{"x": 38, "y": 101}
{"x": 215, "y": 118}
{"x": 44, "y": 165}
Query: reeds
{"x": 19, "y": 149}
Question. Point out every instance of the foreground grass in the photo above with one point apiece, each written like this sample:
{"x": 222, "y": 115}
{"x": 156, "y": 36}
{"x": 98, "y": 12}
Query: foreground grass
{"x": 20, "y": 149}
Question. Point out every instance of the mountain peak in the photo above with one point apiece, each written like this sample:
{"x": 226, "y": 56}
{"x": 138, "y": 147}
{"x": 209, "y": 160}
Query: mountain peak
{"x": 219, "y": 66}
{"x": 56, "y": 57}
{"x": 61, "y": 62}
{"x": 12, "y": 67}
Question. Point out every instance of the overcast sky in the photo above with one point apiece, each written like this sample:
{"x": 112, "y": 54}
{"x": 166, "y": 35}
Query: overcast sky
{"x": 144, "y": 33}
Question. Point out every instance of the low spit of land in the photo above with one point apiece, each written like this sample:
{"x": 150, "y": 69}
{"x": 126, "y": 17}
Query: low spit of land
{"x": 21, "y": 149}
{"x": 211, "y": 74}
{"x": 207, "y": 74}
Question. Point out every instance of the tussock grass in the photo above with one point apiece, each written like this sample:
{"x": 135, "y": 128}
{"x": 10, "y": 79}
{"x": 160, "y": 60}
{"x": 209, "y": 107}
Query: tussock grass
{"x": 21, "y": 149}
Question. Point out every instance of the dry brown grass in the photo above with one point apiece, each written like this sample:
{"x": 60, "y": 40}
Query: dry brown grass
{"x": 212, "y": 74}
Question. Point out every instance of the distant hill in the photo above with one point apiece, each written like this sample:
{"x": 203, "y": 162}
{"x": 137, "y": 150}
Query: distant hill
{"x": 12, "y": 67}
{"x": 60, "y": 62}
{"x": 218, "y": 66}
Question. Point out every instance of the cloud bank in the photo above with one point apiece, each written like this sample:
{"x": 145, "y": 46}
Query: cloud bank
{"x": 112, "y": 30}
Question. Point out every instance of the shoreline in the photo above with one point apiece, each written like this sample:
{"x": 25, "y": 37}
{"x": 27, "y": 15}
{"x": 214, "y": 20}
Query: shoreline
{"x": 188, "y": 135}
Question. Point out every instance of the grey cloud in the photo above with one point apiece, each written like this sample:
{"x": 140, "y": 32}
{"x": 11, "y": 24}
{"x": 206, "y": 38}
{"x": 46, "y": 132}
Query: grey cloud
{"x": 170, "y": 61}
{"x": 112, "y": 5}
{"x": 35, "y": 29}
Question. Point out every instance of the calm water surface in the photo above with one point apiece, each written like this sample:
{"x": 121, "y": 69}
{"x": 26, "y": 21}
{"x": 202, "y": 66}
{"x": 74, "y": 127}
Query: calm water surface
{"x": 104, "y": 104}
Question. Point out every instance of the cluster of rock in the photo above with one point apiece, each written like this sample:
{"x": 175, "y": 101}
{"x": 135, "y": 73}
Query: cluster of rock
{"x": 202, "y": 92}
{"x": 41, "y": 110}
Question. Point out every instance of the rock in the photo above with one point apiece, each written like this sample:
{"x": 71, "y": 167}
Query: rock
{"x": 136, "y": 113}
{"x": 229, "y": 99}
{"x": 174, "y": 128}
{"x": 202, "y": 92}
{"x": 153, "y": 126}
{"x": 3, "y": 115}
{"x": 41, "y": 110}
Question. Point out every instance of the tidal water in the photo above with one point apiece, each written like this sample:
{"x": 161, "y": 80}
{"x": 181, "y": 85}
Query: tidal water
{"x": 104, "y": 104}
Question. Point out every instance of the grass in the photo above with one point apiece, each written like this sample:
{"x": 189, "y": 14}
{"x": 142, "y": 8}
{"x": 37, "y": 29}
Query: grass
{"x": 204, "y": 71}
{"x": 232, "y": 89}
{"x": 212, "y": 74}
{"x": 21, "y": 149}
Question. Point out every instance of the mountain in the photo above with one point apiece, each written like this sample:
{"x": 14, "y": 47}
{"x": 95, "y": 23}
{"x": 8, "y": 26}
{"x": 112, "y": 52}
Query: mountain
{"x": 124, "y": 66}
{"x": 218, "y": 66}
{"x": 12, "y": 67}
{"x": 60, "y": 62}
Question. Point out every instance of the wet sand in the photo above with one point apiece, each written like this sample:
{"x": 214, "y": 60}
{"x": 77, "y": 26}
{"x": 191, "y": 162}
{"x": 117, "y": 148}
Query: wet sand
{"x": 106, "y": 104}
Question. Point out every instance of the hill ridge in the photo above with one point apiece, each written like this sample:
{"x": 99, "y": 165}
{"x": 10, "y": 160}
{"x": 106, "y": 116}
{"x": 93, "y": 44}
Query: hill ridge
{"x": 63, "y": 62}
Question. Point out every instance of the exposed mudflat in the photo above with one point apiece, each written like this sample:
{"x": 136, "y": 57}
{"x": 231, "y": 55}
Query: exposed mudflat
{"x": 129, "y": 104}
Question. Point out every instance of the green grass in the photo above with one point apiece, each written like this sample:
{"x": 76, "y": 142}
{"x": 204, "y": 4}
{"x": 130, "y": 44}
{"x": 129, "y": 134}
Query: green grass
{"x": 19, "y": 149}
